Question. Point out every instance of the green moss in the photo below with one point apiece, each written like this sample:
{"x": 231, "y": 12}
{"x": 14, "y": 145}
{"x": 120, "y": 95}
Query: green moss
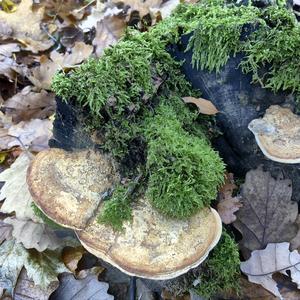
{"x": 44, "y": 218}
{"x": 217, "y": 36}
{"x": 221, "y": 270}
{"x": 117, "y": 209}
{"x": 273, "y": 51}
{"x": 184, "y": 171}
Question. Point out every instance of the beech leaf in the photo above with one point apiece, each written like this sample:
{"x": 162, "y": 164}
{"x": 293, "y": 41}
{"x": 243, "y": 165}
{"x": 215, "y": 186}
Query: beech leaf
{"x": 276, "y": 257}
{"x": 204, "y": 106}
{"x": 268, "y": 215}
{"x": 88, "y": 288}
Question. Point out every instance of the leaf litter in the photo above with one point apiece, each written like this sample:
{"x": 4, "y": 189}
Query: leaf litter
{"x": 36, "y": 40}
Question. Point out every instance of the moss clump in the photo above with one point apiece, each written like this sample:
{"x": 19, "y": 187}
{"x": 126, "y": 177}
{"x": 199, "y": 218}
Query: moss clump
{"x": 273, "y": 51}
{"x": 269, "y": 38}
{"x": 117, "y": 209}
{"x": 217, "y": 36}
{"x": 184, "y": 171}
{"x": 221, "y": 271}
{"x": 44, "y": 218}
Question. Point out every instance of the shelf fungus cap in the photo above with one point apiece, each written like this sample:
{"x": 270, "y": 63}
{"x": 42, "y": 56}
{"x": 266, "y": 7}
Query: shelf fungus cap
{"x": 153, "y": 246}
{"x": 67, "y": 186}
{"x": 278, "y": 134}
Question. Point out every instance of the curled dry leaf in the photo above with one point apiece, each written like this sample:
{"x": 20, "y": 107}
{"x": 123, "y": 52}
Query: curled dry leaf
{"x": 88, "y": 288}
{"x": 33, "y": 235}
{"x": 268, "y": 215}
{"x": 204, "y": 106}
{"x": 71, "y": 256}
{"x": 15, "y": 190}
{"x": 276, "y": 257}
{"x": 41, "y": 267}
{"x": 28, "y": 104}
{"x": 227, "y": 204}
{"x": 108, "y": 31}
{"x": 25, "y": 25}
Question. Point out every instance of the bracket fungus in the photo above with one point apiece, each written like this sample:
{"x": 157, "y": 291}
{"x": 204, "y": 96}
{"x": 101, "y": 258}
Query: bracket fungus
{"x": 67, "y": 187}
{"x": 278, "y": 134}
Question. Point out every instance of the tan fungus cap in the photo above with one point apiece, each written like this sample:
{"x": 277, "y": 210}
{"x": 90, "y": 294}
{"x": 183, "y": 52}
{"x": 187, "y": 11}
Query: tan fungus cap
{"x": 67, "y": 187}
{"x": 278, "y": 134}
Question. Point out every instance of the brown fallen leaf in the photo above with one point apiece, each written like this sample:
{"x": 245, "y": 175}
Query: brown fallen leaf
{"x": 33, "y": 234}
{"x": 28, "y": 104}
{"x": 25, "y": 27}
{"x": 71, "y": 256}
{"x": 69, "y": 35}
{"x": 268, "y": 215}
{"x": 204, "y": 106}
{"x": 42, "y": 75}
{"x": 33, "y": 135}
{"x": 108, "y": 31}
{"x": 26, "y": 289}
{"x": 226, "y": 209}
{"x": 276, "y": 257}
{"x": 227, "y": 204}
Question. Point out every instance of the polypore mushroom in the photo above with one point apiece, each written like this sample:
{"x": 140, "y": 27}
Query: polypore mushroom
{"x": 278, "y": 134}
{"x": 68, "y": 186}
{"x": 153, "y": 246}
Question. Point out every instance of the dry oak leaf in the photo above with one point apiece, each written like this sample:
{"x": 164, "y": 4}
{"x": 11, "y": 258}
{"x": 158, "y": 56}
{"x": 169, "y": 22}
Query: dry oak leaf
{"x": 42, "y": 75}
{"x": 26, "y": 289}
{"x": 227, "y": 204}
{"x": 276, "y": 257}
{"x": 33, "y": 235}
{"x": 41, "y": 267}
{"x": 204, "y": 106}
{"x": 15, "y": 189}
{"x": 88, "y": 288}
{"x": 268, "y": 215}
{"x": 25, "y": 25}
{"x": 28, "y": 104}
